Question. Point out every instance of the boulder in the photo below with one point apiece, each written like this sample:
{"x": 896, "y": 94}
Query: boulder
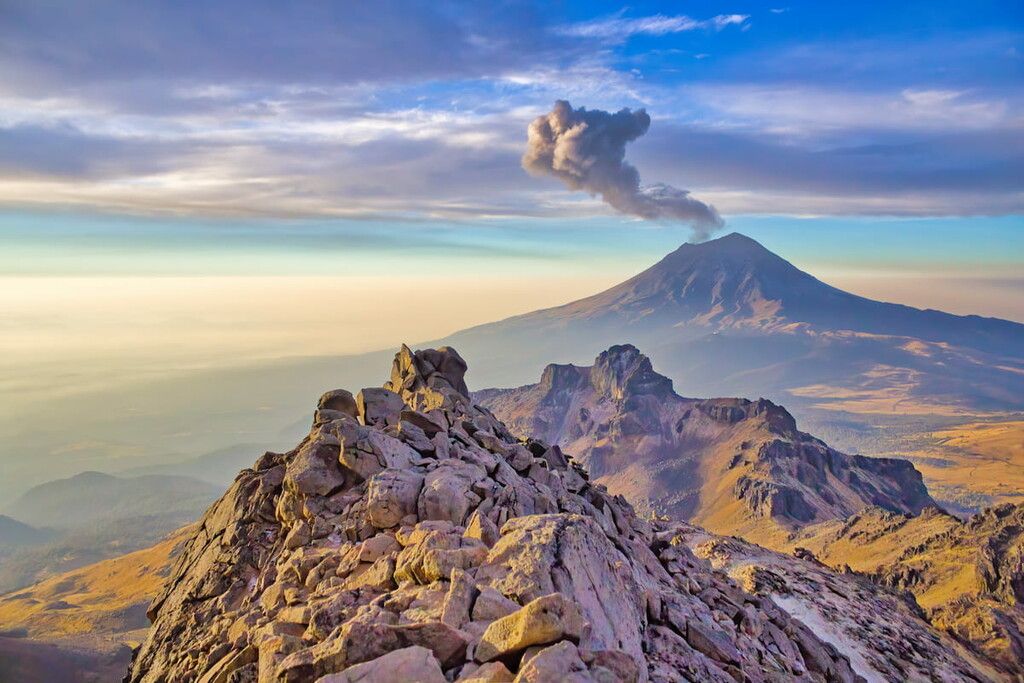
{"x": 413, "y": 664}
{"x": 559, "y": 662}
{"x": 491, "y": 605}
{"x": 314, "y": 470}
{"x": 544, "y": 620}
{"x": 457, "y": 604}
{"x": 391, "y": 496}
{"x": 379, "y": 407}
{"x": 447, "y": 491}
{"x": 339, "y": 401}
{"x": 491, "y": 672}
{"x": 481, "y": 527}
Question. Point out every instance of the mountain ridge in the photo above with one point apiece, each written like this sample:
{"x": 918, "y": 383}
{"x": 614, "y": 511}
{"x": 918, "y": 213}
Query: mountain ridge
{"x": 734, "y": 466}
{"x": 410, "y": 532}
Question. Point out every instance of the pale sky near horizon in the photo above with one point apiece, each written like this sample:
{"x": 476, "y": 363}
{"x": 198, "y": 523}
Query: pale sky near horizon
{"x": 89, "y": 302}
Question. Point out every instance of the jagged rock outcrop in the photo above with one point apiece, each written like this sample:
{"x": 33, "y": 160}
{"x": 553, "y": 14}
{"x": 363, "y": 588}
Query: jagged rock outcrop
{"x": 411, "y": 532}
{"x": 732, "y": 465}
{"x": 967, "y": 576}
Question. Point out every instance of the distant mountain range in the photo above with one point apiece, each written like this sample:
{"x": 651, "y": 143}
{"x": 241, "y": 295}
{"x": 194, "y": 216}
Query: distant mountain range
{"x": 90, "y": 517}
{"x": 92, "y": 497}
{"x": 15, "y": 534}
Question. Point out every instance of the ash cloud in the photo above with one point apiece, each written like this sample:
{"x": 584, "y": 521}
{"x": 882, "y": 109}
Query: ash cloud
{"x": 586, "y": 150}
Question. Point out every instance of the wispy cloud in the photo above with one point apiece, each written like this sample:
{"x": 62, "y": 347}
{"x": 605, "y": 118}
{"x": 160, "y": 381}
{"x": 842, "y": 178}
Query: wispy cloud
{"x": 801, "y": 110}
{"x": 618, "y": 27}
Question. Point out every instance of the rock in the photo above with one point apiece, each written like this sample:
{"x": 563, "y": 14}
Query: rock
{"x": 614, "y": 665}
{"x": 410, "y": 665}
{"x": 711, "y": 641}
{"x": 491, "y": 672}
{"x": 379, "y": 407}
{"x": 447, "y": 491}
{"x": 559, "y": 662}
{"x": 457, "y": 604}
{"x": 272, "y": 650}
{"x": 482, "y": 528}
{"x": 541, "y": 621}
{"x": 491, "y": 605}
{"x": 366, "y": 452}
{"x": 373, "y": 548}
{"x": 571, "y": 555}
{"x": 314, "y": 470}
{"x": 447, "y": 643}
{"x": 391, "y": 496}
{"x": 339, "y": 401}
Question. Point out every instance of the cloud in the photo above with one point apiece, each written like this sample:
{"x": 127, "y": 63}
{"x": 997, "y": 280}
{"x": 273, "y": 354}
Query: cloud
{"x": 586, "y": 150}
{"x": 807, "y": 110}
{"x": 934, "y": 174}
{"x": 620, "y": 28}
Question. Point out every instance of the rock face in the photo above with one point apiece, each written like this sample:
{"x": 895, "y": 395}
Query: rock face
{"x": 411, "y": 532}
{"x": 842, "y": 609}
{"x": 967, "y": 576}
{"x": 731, "y": 465}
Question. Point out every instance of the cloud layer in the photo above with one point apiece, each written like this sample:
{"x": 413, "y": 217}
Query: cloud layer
{"x": 586, "y": 150}
{"x": 414, "y": 111}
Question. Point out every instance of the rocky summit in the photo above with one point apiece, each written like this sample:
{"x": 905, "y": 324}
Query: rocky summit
{"x": 410, "y": 536}
{"x": 731, "y": 465}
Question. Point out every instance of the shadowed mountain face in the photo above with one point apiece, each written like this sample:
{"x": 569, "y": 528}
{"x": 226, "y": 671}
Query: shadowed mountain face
{"x": 14, "y": 534}
{"x": 729, "y": 316}
{"x": 732, "y": 465}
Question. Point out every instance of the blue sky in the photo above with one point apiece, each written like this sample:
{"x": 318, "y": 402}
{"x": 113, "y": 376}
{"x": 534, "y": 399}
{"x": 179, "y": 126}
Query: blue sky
{"x": 149, "y": 136}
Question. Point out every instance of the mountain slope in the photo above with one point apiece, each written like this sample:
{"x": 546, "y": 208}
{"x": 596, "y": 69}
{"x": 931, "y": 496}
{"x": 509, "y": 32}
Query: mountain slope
{"x": 843, "y": 609}
{"x": 81, "y": 625}
{"x": 730, "y": 317}
{"x": 411, "y": 537}
{"x": 968, "y": 575}
{"x": 731, "y": 465}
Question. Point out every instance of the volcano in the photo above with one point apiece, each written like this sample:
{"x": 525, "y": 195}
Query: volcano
{"x": 729, "y": 317}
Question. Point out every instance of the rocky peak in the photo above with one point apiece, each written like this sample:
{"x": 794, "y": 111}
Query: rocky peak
{"x": 710, "y": 455}
{"x": 430, "y": 373}
{"x": 410, "y": 536}
{"x": 623, "y": 371}
{"x": 558, "y": 379}
{"x": 733, "y": 410}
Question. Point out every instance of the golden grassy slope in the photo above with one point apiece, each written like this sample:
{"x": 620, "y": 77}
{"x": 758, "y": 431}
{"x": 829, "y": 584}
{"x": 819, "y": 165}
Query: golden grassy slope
{"x": 984, "y": 458}
{"x": 107, "y": 598}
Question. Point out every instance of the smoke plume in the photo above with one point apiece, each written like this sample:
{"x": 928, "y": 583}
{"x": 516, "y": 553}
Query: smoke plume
{"x": 586, "y": 150}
